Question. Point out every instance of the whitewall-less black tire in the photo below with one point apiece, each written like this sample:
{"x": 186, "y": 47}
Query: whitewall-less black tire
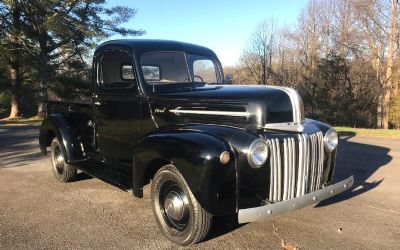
{"x": 180, "y": 217}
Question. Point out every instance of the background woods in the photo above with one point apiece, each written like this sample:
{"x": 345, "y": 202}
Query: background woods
{"x": 342, "y": 56}
{"x": 46, "y": 45}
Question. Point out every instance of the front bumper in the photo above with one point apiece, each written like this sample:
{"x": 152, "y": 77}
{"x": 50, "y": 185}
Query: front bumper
{"x": 272, "y": 210}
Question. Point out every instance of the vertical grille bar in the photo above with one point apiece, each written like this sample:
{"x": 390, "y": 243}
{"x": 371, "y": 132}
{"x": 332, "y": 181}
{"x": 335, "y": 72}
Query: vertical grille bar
{"x": 275, "y": 196}
{"x": 313, "y": 163}
{"x": 304, "y": 189}
{"x": 286, "y": 173}
{"x": 279, "y": 175}
{"x": 272, "y": 172}
{"x": 293, "y": 169}
{"x": 296, "y": 167}
{"x": 300, "y": 167}
{"x": 320, "y": 158}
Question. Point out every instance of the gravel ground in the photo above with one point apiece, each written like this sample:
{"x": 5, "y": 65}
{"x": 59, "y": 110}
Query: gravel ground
{"x": 36, "y": 211}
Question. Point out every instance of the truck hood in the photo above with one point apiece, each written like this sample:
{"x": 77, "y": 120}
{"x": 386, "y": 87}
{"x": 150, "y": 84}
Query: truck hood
{"x": 268, "y": 107}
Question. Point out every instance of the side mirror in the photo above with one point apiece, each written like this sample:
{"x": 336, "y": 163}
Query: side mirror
{"x": 228, "y": 79}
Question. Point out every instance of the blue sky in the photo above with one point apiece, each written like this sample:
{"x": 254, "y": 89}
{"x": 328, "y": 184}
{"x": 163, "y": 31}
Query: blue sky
{"x": 223, "y": 26}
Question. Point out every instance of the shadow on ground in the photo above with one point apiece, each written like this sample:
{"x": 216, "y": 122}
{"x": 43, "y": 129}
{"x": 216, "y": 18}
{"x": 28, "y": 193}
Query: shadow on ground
{"x": 18, "y": 145}
{"x": 360, "y": 160}
{"x": 222, "y": 225}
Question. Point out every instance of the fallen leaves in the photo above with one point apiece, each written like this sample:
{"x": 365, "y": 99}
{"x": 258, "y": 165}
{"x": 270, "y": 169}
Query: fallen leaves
{"x": 284, "y": 244}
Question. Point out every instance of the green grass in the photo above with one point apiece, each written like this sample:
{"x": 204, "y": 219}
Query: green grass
{"x": 393, "y": 133}
{"x": 22, "y": 121}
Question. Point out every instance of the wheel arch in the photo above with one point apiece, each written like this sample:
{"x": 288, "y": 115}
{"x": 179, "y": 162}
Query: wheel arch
{"x": 57, "y": 125}
{"x": 196, "y": 155}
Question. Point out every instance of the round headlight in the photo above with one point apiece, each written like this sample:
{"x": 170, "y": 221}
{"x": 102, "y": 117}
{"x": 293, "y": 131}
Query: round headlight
{"x": 331, "y": 140}
{"x": 257, "y": 153}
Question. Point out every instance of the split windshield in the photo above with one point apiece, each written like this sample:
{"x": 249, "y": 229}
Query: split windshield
{"x": 160, "y": 68}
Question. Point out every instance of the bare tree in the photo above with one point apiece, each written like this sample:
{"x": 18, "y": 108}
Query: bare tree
{"x": 338, "y": 50}
{"x": 392, "y": 49}
{"x": 257, "y": 57}
{"x": 380, "y": 19}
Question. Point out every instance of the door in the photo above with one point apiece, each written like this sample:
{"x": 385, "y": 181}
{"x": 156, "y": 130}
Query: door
{"x": 116, "y": 102}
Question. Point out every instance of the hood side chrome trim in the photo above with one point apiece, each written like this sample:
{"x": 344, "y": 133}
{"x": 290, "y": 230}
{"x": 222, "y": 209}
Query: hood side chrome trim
{"x": 210, "y": 112}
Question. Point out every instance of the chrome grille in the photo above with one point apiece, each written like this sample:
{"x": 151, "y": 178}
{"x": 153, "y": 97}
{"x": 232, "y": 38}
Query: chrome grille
{"x": 296, "y": 166}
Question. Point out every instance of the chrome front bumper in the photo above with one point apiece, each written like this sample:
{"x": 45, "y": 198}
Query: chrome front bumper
{"x": 272, "y": 210}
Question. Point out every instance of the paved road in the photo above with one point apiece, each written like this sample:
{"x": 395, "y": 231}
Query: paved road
{"x": 36, "y": 211}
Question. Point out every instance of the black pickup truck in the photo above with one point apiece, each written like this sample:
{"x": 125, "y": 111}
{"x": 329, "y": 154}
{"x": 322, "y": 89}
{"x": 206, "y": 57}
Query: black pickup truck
{"x": 161, "y": 112}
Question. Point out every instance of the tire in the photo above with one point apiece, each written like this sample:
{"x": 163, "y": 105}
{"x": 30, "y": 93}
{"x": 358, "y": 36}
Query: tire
{"x": 181, "y": 219}
{"x": 62, "y": 171}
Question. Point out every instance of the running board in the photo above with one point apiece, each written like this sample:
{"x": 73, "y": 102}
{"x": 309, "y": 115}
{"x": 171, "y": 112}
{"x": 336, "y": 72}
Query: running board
{"x": 105, "y": 173}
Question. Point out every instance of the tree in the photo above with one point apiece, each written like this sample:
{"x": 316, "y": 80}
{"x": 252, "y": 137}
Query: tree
{"x": 341, "y": 56}
{"x": 257, "y": 57}
{"x": 10, "y": 48}
{"x": 311, "y": 42}
{"x": 65, "y": 31}
{"x": 392, "y": 49}
{"x": 334, "y": 92}
{"x": 380, "y": 23}
{"x": 394, "y": 115}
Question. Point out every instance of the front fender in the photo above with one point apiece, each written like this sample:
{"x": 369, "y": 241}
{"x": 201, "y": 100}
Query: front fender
{"x": 196, "y": 155}
{"x": 57, "y": 125}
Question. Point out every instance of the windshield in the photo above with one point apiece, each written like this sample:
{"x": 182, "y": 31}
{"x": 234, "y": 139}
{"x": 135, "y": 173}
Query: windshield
{"x": 161, "y": 68}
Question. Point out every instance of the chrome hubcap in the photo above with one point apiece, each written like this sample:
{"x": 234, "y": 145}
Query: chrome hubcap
{"x": 174, "y": 206}
{"x": 58, "y": 160}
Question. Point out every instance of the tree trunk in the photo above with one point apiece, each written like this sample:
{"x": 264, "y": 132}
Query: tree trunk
{"x": 379, "y": 112}
{"x": 43, "y": 73}
{"x": 14, "y": 60}
{"x": 388, "y": 84}
{"x": 14, "y": 113}
{"x": 15, "y": 82}
{"x": 43, "y": 86}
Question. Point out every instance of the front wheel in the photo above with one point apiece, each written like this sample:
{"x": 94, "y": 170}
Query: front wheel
{"x": 62, "y": 171}
{"x": 178, "y": 214}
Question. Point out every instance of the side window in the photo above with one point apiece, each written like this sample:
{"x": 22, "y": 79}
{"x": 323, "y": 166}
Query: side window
{"x": 204, "y": 71}
{"x": 114, "y": 70}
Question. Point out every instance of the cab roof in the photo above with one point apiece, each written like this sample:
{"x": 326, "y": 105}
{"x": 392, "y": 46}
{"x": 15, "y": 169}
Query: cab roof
{"x": 149, "y": 45}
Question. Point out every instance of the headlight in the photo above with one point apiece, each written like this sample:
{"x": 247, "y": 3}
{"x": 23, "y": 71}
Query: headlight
{"x": 330, "y": 140}
{"x": 258, "y": 153}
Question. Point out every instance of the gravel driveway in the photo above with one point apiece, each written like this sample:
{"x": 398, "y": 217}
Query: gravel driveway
{"x": 36, "y": 211}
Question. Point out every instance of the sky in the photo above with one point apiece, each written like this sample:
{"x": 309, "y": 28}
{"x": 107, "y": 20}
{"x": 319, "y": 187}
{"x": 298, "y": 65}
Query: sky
{"x": 221, "y": 25}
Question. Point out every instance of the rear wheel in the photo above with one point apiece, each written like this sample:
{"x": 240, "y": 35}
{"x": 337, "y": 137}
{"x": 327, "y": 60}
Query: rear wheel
{"x": 178, "y": 214}
{"x": 62, "y": 171}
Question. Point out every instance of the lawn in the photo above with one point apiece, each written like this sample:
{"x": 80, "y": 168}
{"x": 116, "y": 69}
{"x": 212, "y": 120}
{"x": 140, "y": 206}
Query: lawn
{"x": 22, "y": 121}
{"x": 393, "y": 133}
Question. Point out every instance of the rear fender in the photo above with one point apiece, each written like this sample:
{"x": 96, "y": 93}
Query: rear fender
{"x": 57, "y": 125}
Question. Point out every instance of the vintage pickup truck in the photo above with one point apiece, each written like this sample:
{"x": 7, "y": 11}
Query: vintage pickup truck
{"x": 161, "y": 112}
